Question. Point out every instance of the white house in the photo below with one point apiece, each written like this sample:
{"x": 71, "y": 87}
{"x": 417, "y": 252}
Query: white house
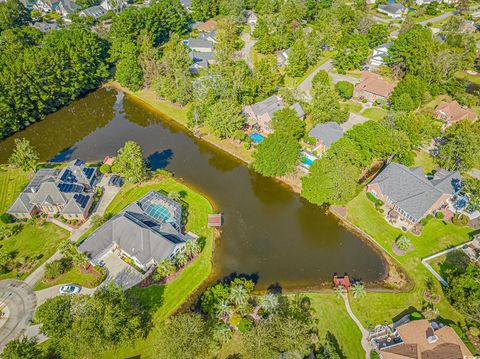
{"x": 94, "y": 11}
{"x": 114, "y": 5}
{"x": 380, "y": 54}
{"x": 395, "y": 11}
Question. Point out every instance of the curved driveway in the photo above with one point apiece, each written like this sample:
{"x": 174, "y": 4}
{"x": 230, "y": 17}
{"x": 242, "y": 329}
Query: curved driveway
{"x": 21, "y": 302}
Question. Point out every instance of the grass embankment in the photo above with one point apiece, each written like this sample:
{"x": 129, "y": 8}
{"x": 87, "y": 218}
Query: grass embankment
{"x": 12, "y": 182}
{"x": 34, "y": 244}
{"x": 437, "y": 235}
{"x": 87, "y": 279}
{"x": 178, "y": 114}
{"x": 162, "y": 300}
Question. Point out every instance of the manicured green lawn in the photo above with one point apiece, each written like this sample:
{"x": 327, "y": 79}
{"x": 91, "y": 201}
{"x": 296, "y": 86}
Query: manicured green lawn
{"x": 332, "y": 317}
{"x": 34, "y": 242}
{"x": 354, "y": 107}
{"x": 437, "y": 235}
{"x": 74, "y": 275}
{"x": 425, "y": 160}
{"x": 375, "y": 113}
{"x": 12, "y": 182}
{"x": 163, "y": 300}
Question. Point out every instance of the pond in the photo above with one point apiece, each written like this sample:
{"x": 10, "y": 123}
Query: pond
{"x": 269, "y": 230}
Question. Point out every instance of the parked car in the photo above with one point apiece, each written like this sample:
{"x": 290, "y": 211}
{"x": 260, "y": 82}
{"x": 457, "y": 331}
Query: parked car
{"x": 70, "y": 289}
{"x": 112, "y": 179}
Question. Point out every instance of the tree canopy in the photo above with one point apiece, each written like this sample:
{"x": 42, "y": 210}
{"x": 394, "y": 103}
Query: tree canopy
{"x": 277, "y": 155}
{"x": 24, "y": 155}
{"x": 287, "y": 122}
{"x": 129, "y": 162}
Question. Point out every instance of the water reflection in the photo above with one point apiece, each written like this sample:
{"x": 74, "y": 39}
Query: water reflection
{"x": 269, "y": 231}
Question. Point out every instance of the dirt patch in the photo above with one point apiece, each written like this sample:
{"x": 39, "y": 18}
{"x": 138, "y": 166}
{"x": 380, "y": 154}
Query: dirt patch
{"x": 340, "y": 211}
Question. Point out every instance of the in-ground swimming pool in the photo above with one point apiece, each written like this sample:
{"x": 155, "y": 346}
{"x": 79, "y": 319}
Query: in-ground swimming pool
{"x": 158, "y": 212}
{"x": 307, "y": 159}
{"x": 256, "y": 137}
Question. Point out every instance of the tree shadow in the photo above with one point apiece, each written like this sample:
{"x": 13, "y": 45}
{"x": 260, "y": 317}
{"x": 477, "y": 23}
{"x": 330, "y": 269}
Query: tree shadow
{"x": 160, "y": 160}
{"x": 456, "y": 261}
{"x": 150, "y": 299}
{"x": 275, "y": 288}
{"x": 405, "y": 312}
{"x": 229, "y": 278}
{"x": 64, "y": 155}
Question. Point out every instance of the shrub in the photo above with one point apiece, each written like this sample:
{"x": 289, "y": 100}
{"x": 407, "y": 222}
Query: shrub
{"x": 246, "y": 324}
{"x": 439, "y": 215}
{"x": 375, "y": 200}
{"x": 235, "y": 319}
{"x": 239, "y": 135}
{"x": 311, "y": 140}
{"x": 246, "y": 145}
{"x": 165, "y": 173}
{"x": 103, "y": 275}
{"x": 57, "y": 268}
{"x": 415, "y": 316}
{"x": 344, "y": 89}
{"x": 460, "y": 220}
{"x": 6, "y": 218}
{"x": 475, "y": 332}
{"x": 105, "y": 168}
{"x": 403, "y": 243}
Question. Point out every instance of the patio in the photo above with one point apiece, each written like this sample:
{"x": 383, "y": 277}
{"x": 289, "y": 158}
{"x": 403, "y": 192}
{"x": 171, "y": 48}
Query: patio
{"x": 120, "y": 272}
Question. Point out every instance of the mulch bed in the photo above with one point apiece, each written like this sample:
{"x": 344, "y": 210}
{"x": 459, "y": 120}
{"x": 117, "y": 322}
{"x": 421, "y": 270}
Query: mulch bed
{"x": 432, "y": 298}
{"x": 400, "y": 252}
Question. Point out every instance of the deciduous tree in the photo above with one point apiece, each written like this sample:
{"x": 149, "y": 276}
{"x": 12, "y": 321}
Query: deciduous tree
{"x": 287, "y": 122}
{"x": 24, "y": 155}
{"x": 352, "y": 50}
{"x": 129, "y": 162}
{"x": 277, "y": 155}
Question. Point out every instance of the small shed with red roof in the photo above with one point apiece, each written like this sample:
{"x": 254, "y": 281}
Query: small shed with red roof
{"x": 342, "y": 281}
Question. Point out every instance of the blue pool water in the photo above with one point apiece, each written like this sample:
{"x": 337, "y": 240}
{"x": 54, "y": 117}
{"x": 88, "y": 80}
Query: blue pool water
{"x": 256, "y": 137}
{"x": 158, "y": 212}
{"x": 307, "y": 161}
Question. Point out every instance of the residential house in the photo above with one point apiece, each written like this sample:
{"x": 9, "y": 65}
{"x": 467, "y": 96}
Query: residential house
{"x": 206, "y": 26}
{"x": 326, "y": 134}
{"x": 395, "y": 10}
{"x": 372, "y": 87}
{"x": 282, "y": 57}
{"x": 94, "y": 11}
{"x": 418, "y": 339}
{"x": 380, "y": 54}
{"x": 409, "y": 196}
{"x": 45, "y": 26}
{"x": 250, "y": 18}
{"x": 452, "y": 112}
{"x": 67, "y": 192}
{"x": 469, "y": 26}
{"x": 114, "y": 5}
{"x": 201, "y": 51}
{"x": 187, "y": 4}
{"x": 67, "y": 7}
{"x": 260, "y": 114}
{"x": 146, "y": 231}
{"x": 426, "y": 2}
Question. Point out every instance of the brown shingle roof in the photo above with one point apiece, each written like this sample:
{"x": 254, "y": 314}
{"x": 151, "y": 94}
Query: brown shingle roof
{"x": 373, "y": 83}
{"x": 414, "y": 334}
{"x": 454, "y": 112}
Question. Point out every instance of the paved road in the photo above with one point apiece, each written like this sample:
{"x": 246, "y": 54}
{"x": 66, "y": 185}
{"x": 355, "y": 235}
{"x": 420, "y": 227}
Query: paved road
{"x": 306, "y": 85}
{"x": 353, "y": 120}
{"x": 245, "y": 52}
{"x": 21, "y": 302}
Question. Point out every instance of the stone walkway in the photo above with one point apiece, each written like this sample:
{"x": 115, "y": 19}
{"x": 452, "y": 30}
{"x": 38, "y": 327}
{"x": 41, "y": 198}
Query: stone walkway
{"x": 365, "y": 344}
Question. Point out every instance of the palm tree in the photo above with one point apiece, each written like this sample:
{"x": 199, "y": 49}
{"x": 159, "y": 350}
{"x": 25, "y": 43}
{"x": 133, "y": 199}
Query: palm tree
{"x": 340, "y": 291}
{"x": 181, "y": 259}
{"x": 174, "y": 195}
{"x": 238, "y": 295}
{"x": 358, "y": 290}
{"x": 224, "y": 309}
{"x": 222, "y": 333}
{"x": 192, "y": 248}
{"x": 403, "y": 243}
{"x": 269, "y": 303}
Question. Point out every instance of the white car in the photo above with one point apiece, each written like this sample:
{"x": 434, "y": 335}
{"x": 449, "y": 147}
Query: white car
{"x": 70, "y": 289}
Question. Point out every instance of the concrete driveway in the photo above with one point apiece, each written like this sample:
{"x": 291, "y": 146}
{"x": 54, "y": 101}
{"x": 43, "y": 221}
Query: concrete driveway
{"x": 245, "y": 52}
{"x": 120, "y": 272}
{"x": 353, "y": 120}
{"x": 44, "y": 294}
{"x": 20, "y": 300}
{"x": 306, "y": 85}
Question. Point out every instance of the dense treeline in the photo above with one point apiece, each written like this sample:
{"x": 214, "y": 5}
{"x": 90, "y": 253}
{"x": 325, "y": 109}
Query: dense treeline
{"x": 40, "y": 73}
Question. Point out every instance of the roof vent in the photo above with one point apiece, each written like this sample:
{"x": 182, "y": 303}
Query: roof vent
{"x": 432, "y": 339}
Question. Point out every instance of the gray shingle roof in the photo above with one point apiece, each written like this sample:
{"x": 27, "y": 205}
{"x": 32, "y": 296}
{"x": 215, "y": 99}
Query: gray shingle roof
{"x": 327, "y": 132}
{"x": 411, "y": 191}
{"x": 392, "y": 8}
{"x": 65, "y": 187}
{"x": 269, "y": 105}
{"x": 94, "y": 11}
{"x": 200, "y": 43}
{"x": 139, "y": 234}
{"x": 298, "y": 109}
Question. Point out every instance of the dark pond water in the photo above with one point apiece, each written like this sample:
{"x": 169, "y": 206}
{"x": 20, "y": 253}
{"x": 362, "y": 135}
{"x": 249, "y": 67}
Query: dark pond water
{"x": 269, "y": 231}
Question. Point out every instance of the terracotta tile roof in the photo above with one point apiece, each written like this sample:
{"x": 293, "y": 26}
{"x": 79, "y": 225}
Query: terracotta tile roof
{"x": 454, "y": 112}
{"x": 416, "y": 345}
{"x": 209, "y": 25}
{"x": 374, "y": 84}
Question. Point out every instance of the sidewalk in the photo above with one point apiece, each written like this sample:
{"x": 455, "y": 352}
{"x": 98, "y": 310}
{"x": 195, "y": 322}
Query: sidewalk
{"x": 364, "y": 342}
